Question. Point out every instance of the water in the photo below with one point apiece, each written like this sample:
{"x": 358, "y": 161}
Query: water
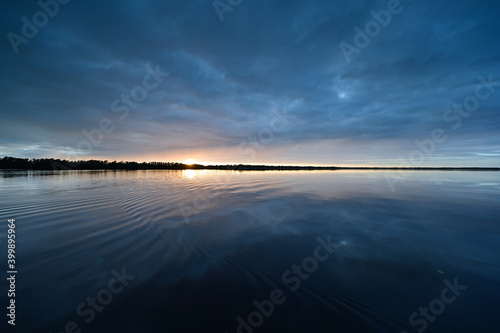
{"x": 199, "y": 247}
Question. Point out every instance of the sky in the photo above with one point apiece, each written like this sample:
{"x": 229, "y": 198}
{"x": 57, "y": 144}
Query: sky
{"x": 319, "y": 82}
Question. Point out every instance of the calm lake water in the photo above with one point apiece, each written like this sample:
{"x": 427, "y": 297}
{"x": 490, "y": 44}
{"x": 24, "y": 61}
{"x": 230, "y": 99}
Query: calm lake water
{"x": 217, "y": 251}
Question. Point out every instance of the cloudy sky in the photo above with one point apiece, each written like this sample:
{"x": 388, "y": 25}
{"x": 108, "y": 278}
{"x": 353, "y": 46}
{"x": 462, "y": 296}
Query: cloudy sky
{"x": 258, "y": 81}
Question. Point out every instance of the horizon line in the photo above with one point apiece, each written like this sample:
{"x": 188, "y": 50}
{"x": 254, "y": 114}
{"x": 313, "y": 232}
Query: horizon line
{"x": 57, "y": 164}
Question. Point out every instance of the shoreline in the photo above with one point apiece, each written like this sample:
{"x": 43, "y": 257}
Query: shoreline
{"x": 14, "y": 163}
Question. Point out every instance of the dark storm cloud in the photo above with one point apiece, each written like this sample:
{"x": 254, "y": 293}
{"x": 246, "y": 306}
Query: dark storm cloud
{"x": 226, "y": 78}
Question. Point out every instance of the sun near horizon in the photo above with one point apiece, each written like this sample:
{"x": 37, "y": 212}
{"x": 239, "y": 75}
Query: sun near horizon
{"x": 190, "y": 161}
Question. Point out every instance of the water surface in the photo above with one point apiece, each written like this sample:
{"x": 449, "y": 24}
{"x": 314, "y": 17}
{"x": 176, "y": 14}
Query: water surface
{"x": 202, "y": 246}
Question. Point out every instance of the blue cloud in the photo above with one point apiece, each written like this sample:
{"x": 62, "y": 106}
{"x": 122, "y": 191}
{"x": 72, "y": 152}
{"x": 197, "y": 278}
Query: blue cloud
{"x": 227, "y": 78}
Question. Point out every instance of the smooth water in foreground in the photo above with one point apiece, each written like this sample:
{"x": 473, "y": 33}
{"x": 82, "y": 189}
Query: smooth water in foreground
{"x": 215, "y": 251}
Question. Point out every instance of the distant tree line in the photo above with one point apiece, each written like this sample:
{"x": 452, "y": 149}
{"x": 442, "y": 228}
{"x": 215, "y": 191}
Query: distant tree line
{"x": 57, "y": 164}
